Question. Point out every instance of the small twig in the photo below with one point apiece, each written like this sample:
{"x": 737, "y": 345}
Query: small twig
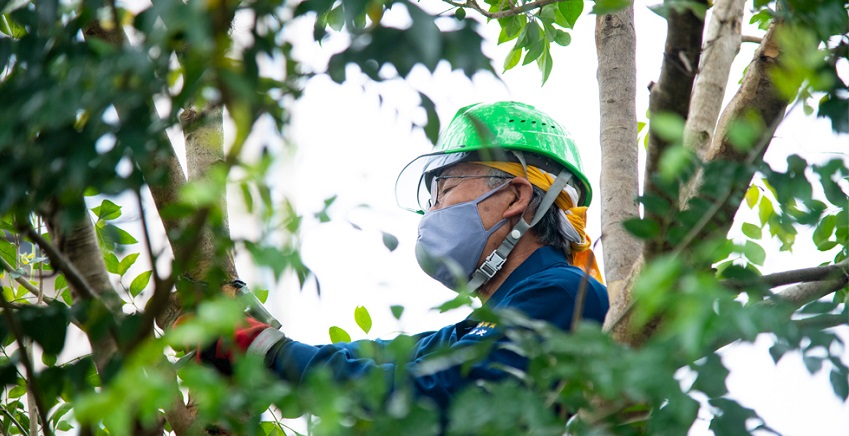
{"x": 159, "y": 300}
{"x": 20, "y": 279}
{"x": 40, "y": 297}
{"x": 822, "y": 322}
{"x": 750, "y": 38}
{"x": 33, "y": 422}
{"x": 32, "y": 381}
{"x": 157, "y": 281}
{"x": 14, "y": 421}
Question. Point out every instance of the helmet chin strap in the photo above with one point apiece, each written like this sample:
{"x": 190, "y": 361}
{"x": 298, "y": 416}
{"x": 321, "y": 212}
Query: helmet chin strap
{"x": 495, "y": 261}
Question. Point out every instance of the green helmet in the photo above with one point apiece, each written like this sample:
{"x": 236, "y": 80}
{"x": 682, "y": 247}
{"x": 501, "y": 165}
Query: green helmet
{"x": 502, "y": 131}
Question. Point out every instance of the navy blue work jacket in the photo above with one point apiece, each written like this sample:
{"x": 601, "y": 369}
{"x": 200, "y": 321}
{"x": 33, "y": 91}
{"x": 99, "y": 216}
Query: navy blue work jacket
{"x": 543, "y": 287}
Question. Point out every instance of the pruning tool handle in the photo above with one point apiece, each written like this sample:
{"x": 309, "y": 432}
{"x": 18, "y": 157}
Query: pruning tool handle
{"x": 253, "y": 306}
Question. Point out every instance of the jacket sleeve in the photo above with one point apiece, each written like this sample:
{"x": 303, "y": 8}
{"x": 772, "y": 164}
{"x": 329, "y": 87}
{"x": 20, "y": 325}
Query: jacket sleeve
{"x": 295, "y": 361}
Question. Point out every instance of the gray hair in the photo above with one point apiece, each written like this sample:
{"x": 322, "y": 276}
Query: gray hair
{"x": 548, "y": 229}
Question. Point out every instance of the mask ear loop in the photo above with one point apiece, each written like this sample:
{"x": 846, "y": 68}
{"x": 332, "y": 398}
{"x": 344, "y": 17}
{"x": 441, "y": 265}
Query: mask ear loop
{"x": 495, "y": 261}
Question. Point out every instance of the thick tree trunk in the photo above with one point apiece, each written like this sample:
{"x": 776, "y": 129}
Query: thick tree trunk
{"x": 671, "y": 94}
{"x": 78, "y": 243}
{"x": 204, "y": 133}
{"x": 616, "y": 48}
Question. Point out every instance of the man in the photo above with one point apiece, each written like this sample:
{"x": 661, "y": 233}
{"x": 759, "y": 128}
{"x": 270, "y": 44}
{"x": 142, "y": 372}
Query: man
{"x": 503, "y": 200}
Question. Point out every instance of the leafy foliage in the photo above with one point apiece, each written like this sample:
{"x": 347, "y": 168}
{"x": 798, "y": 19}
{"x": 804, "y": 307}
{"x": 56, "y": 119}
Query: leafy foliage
{"x": 84, "y": 85}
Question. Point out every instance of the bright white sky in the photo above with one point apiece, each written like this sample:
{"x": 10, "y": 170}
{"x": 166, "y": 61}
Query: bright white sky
{"x": 351, "y": 145}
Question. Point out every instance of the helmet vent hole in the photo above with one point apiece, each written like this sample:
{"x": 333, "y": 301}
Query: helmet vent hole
{"x": 523, "y": 121}
{"x": 512, "y": 120}
{"x": 533, "y": 122}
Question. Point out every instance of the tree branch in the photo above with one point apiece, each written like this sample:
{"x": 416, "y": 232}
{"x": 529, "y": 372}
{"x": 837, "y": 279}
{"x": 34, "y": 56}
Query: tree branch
{"x": 616, "y": 49}
{"x": 822, "y": 322}
{"x": 720, "y": 48}
{"x": 23, "y": 282}
{"x": 750, "y": 38}
{"x": 804, "y": 293}
{"x": 32, "y": 381}
{"x": 814, "y": 274}
{"x": 63, "y": 264}
{"x": 671, "y": 94}
{"x": 513, "y": 11}
{"x": 14, "y": 421}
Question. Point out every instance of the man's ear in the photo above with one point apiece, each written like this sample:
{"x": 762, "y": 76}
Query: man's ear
{"x": 523, "y": 193}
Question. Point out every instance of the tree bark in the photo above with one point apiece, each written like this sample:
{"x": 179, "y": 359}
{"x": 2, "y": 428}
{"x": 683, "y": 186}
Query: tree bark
{"x": 78, "y": 243}
{"x": 671, "y": 94}
{"x": 616, "y": 49}
{"x": 720, "y": 48}
{"x": 757, "y": 95}
{"x": 204, "y": 133}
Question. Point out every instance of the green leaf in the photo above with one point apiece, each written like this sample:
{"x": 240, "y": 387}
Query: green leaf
{"x": 112, "y": 264}
{"x": 674, "y": 162}
{"x": 17, "y": 391}
{"x": 61, "y": 411}
{"x": 570, "y": 10}
{"x": 530, "y": 33}
{"x": 363, "y": 319}
{"x": 48, "y": 359}
{"x": 535, "y": 49}
{"x": 126, "y": 263}
{"x": 60, "y": 282}
{"x": 545, "y": 63}
{"x": 512, "y": 26}
{"x": 337, "y": 334}
{"x": 642, "y": 228}
{"x": 8, "y": 251}
{"x": 744, "y": 132}
{"x": 46, "y": 325}
{"x": 840, "y": 383}
{"x": 431, "y": 128}
{"x": 261, "y": 295}
{"x": 10, "y": 27}
{"x": 139, "y": 283}
{"x": 562, "y": 38}
{"x": 752, "y": 230}
{"x": 397, "y": 311}
{"x": 668, "y": 126}
{"x": 66, "y": 296}
{"x": 512, "y": 58}
{"x": 752, "y": 196}
{"x": 460, "y": 13}
{"x": 323, "y": 216}
{"x": 107, "y": 210}
{"x": 824, "y": 230}
{"x": 765, "y": 210}
{"x": 390, "y": 241}
{"x": 247, "y": 197}
{"x": 609, "y": 6}
{"x": 755, "y": 253}
{"x": 335, "y": 18}
{"x": 117, "y": 235}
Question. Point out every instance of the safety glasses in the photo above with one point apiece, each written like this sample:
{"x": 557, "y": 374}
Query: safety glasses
{"x": 427, "y": 202}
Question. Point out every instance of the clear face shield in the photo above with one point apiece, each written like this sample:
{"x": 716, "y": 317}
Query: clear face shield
{"x": 413, "y": 186}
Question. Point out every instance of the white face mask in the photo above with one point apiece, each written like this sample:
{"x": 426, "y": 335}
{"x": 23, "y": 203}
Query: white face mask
{"x": 451, "y": 240}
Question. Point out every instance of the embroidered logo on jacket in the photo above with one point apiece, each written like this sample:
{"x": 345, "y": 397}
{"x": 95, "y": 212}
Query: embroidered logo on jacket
{"x": 482, "y": 329}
